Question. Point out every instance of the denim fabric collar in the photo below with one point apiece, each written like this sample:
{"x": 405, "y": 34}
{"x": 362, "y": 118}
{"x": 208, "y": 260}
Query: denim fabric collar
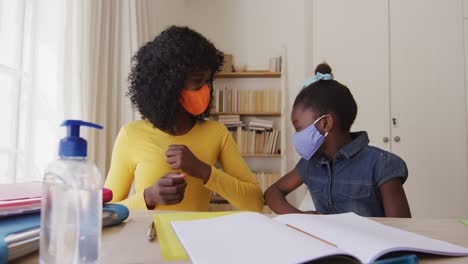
{"x": 360, "y": 140}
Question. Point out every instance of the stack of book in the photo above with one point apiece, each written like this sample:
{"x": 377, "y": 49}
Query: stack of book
{"x": 20, "y": 198}
{"x": 260, "y": 124}
{"x": 20, "y": 205}
{"x": 230, "y": 120}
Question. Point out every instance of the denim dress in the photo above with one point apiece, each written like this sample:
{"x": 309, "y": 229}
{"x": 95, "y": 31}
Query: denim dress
{"x": 351, "y": 182}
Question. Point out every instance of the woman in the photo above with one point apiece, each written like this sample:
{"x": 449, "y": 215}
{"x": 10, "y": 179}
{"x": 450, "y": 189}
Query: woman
{"x": 171, "y": 153}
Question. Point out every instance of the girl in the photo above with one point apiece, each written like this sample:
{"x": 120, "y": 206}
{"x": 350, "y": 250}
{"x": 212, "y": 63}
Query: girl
{"x": 342, "y": 172}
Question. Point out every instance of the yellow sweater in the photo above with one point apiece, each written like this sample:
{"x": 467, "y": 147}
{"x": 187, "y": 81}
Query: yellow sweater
{"x": 139, "y": 156}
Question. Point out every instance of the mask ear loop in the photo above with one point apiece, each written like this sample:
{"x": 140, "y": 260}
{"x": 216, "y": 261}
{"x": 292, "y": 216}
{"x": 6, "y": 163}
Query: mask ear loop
{"x": 316, "y": 121}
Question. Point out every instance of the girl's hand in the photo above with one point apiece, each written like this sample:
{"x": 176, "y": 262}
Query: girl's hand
{"x": 168, "y": 190}
{"x": 180, "y": 157}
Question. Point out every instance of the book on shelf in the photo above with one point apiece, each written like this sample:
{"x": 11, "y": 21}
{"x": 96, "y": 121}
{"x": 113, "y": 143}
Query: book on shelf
{"x": 269, "y": 145}
{"x": 299, "y": 238}
{"x": 276, "y": 146}
{"x": 227, "y": 117}
{"x": 257, "y": 142}
{"x": 228, "y": 120}
{"x": 265, "y": 180}
{"x": 231, "y": 120}
{"x": 228, "y": 99}
{"x": 253, "y": 128}
{"x": 264, "y": 125}
{"x": 234, "y": 125}
{"x": 260, "y": 124}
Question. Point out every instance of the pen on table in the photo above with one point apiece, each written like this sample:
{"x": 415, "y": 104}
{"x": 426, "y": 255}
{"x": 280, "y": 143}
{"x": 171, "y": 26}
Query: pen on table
{"x": 151, "y": 232}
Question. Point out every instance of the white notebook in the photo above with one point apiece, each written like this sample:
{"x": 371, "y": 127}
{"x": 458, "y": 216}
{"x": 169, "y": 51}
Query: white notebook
{"x": 296, "y": 238}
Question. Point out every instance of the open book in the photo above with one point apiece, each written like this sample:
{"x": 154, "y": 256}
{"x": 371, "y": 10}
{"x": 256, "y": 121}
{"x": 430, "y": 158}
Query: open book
{"x": 296, "y": 238}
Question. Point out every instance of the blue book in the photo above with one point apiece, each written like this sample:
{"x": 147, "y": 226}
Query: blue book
{"x": 19, "y": 236}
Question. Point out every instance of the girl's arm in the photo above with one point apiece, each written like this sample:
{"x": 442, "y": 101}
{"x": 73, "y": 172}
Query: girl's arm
{"x": 275, "y": 195}
{"x": 394, "y": 199}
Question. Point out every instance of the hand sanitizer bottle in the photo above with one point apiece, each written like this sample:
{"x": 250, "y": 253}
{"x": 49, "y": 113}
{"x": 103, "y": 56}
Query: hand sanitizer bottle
{"x": 71, "y": 214}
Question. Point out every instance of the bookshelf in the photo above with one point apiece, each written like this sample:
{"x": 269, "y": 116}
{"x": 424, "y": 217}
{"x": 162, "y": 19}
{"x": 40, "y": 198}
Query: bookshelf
{"x": 252, "y": 106}
{"x": 247, "y": 113}
{"x": 249, "y": 74}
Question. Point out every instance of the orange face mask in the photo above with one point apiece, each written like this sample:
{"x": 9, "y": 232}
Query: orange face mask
{"x": 196, "y": 102}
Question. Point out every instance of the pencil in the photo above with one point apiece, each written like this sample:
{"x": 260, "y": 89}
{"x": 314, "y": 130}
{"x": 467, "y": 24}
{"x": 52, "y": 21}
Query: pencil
{"x": 151, "y": 232}
{"x": 316, "y": 237}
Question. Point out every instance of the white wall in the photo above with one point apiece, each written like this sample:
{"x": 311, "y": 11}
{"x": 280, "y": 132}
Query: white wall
{"x": 405, "y": 62}
{"x": 356, "y": 45}
{"x": 253, "y": 31}
{"x": 163, "y": 13}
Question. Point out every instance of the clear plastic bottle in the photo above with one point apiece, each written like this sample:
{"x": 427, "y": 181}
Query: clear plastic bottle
{"x": 71, "y": 214}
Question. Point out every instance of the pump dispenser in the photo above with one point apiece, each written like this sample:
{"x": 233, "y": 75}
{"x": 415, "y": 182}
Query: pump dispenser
{"x": 71, "y": 214}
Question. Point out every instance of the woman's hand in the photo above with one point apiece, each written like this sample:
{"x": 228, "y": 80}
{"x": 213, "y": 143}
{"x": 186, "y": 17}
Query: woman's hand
{"x": 180, "y": 157}
{"x": 168, "y": 190}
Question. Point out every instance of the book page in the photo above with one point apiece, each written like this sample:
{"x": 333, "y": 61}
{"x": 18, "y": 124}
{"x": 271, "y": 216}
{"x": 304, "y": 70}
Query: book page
{"x": 171, "y": 249}
{"x": 248, "y": 238}
{"x": 365, "y": 238}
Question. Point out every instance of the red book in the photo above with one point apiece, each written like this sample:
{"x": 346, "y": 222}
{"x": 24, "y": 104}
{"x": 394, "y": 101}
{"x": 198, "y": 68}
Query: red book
{"x": 20, "y": 198}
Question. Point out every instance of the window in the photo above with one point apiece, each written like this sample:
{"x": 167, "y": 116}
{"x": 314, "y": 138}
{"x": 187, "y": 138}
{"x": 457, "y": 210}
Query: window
{"x": 15, "y": 77}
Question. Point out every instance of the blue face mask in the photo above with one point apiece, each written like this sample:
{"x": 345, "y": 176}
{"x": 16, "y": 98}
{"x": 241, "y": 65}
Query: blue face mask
{"x": 308, "y": 140}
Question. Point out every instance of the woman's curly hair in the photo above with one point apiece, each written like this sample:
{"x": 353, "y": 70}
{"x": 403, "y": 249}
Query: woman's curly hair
{"x": 160, "y": 70}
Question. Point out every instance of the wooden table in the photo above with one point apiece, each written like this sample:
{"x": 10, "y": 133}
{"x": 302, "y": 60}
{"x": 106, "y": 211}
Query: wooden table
{"x": 127, "y": 243}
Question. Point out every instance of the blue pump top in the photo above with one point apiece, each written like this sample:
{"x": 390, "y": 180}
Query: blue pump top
{"x": 73, "y": 145}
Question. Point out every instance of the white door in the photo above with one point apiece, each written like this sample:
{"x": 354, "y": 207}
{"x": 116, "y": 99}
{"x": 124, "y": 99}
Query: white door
{"x": 352, "y": 36}
{"x": 429, "y": 104}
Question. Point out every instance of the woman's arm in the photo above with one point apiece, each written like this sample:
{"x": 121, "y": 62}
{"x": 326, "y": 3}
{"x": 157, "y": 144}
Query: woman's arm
{"x": 121, "y": 174}
{"x": 235, "y": 183}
